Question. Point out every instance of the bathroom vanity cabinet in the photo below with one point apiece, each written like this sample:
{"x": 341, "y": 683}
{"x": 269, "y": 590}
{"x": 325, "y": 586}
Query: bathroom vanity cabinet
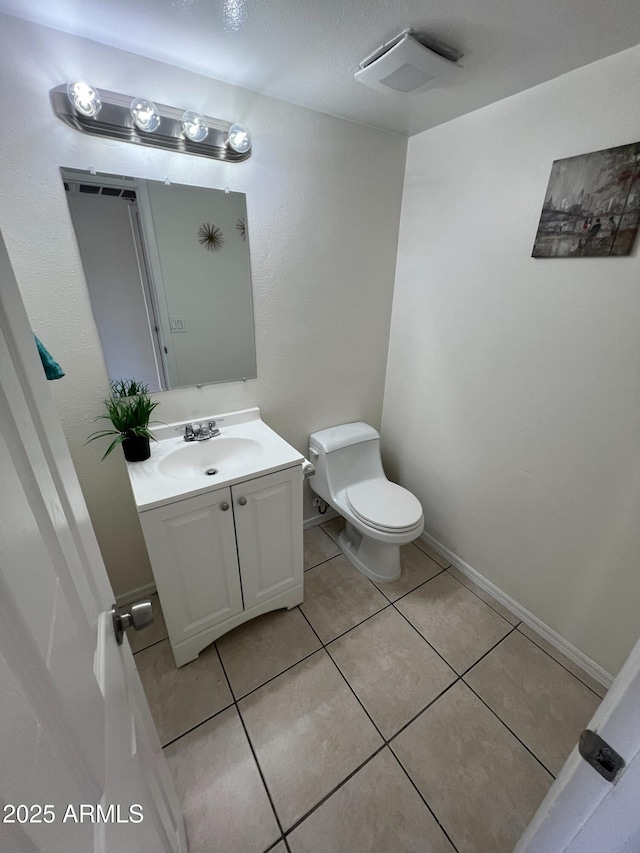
{"x": 223, "y": 557}
{"x": 222, "y": 521}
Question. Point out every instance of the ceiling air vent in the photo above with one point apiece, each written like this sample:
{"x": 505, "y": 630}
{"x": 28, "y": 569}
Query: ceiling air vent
{"x": 405, "y": 64}
{"x": 74, "y": 187}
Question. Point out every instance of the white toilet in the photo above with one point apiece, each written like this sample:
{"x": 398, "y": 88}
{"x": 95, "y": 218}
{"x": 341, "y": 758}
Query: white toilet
{"x": 380, "y": 515}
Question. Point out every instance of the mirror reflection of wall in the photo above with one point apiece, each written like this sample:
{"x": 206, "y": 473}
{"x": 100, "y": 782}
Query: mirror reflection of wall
{"x": 169, "y": 278}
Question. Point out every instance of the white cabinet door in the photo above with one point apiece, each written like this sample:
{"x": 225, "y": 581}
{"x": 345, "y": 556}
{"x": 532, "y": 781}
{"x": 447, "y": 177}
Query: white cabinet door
{"x": 192, "y": 546}
{"x": 268, "y": 514}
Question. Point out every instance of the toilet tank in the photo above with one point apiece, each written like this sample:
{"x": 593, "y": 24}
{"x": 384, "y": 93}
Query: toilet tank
{"x": 344, "y": 455}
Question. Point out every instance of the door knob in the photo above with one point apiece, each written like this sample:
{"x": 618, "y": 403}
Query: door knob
{"x": 139, "y": 616}
{"x": 224, "y": 506}
{"x": 242, "y": 501}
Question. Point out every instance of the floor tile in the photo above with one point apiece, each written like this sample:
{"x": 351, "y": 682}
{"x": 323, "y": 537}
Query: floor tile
{"x": 431, "y": 552}
{"x": 416, "y": 569}
{"x": 181, "y": 698}
{"x": 223, "y": 798}
{"x": 264, "y": 647}
{"x": 334, "y": 527}
{"x": 153, "y": 633}
{"x": 454, "y": 620}
{"x": 309, "y": 733}
{"x": 566, "y": 662}
{"x": 542, "y": 703}
{"x": 318, "y": 547}
{"x": 484, "y": 595}
{"x": 377, "y": 811}
{"x": 337, "y": 597}
{"x": 393, "y": 671}
{"x": 481, "y": 783}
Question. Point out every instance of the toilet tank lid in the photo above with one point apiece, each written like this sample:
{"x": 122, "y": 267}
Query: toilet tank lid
{"x": 343, "y": 435}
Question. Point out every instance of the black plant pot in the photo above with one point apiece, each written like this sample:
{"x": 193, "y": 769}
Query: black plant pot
{"x": 137, "y": 448}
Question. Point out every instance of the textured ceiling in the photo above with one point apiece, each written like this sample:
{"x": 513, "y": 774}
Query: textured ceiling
{"x": 305, "y": 51}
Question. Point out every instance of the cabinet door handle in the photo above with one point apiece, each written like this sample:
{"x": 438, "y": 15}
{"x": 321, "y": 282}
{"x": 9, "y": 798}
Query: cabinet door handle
{"x": 224, "y": 506}
{"x": 242, "y": 501}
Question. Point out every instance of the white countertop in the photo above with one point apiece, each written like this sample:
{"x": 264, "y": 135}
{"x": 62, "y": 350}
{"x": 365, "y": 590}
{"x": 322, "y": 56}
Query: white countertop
{"x": 152, "y": 488}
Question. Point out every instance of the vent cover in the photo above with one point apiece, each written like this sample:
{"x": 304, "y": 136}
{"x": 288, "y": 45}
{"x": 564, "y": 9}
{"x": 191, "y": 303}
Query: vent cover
{"x": 74, "y": 187}
{"x": 405, "y": 65}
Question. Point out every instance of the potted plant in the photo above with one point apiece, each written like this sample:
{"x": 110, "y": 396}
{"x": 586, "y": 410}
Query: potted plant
{"x": 129, "y": 410}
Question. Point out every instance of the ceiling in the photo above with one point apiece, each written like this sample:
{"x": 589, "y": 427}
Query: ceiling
{"x": 305, "y": 51}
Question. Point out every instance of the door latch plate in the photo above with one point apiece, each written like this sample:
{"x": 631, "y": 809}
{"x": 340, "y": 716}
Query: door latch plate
{"x": 602, "y": 757}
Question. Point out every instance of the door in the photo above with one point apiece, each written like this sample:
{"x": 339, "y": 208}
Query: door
{"x": 582, "y": 812}
{"x": 82, "y": 767}
{"x": 192, "y": 547}
{"x": 268, "y": 514}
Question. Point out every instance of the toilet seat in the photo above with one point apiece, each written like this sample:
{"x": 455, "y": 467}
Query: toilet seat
{"x": 384, "y": 505}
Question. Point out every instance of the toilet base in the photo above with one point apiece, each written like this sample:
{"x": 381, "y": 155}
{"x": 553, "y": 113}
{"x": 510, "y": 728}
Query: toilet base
{"x": 379, "y": 561}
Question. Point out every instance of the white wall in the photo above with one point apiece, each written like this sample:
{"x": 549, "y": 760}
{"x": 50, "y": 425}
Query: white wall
{"x": 513, "y": 385}
{"x": 323, "y": 199}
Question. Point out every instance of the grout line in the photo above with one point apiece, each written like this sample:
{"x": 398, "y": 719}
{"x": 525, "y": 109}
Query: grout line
{"x": 405, "y": 594}
{"x": 496, "y": 715}
{"x": 433, "y": 814}
{"x": 346, "y": 682}
{"x": 334, "y": 790}
{"x": 322, "y": 562}
{"x": 424, "y": 638}
{"x": 333, "y": 639}
{"x": 386, "y": 741}
{"x": 519, "y": 622}
{"x": 422, "y": 710}
{"x": 562, "y": 665}
{"x": 197, "y": 725}
{"x": 253, "y": 752}
{"x": 273, "y": 677}
{"x": 508, "y": 634}
{"x": 415, "y": 542}
{"x": 150, "y": 646}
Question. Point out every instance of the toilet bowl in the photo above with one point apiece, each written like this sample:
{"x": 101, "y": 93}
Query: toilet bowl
{"x": 380, "y": 515}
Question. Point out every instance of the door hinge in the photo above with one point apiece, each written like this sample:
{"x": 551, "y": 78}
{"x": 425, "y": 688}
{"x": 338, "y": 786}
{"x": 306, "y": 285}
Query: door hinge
{"x": 602, "y": 757}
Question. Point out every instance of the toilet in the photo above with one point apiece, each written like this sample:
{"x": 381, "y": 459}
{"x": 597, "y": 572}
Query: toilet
{"x": 380, "y": 515}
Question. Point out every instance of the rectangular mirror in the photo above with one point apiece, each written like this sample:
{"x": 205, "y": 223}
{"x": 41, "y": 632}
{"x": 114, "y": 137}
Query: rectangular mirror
{"x": 169, "y": 278}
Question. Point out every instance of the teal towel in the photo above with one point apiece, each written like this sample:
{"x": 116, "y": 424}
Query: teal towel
{"x": 51, "y": 367}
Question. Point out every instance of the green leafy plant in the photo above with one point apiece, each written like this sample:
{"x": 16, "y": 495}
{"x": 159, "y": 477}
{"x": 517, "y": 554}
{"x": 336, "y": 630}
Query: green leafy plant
{"x": 129, "y": 415}
{"x": 127, "y": 388}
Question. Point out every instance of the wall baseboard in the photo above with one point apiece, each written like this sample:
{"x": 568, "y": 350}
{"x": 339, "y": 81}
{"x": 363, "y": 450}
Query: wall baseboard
{"x": 136, "y": 594}
{"x": 551, "y": 636}
{"x": 329, "y": 515}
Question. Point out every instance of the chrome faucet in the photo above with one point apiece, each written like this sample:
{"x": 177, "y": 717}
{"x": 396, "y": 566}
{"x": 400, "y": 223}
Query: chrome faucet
{"x": 200, "y": 432}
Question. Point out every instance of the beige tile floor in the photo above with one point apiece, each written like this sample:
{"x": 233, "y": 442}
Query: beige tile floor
{"x": 418, "y": 715}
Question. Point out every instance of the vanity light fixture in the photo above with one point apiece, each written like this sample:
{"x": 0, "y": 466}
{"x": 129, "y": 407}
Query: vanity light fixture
{"x": 145, "y": 115}
{"x": 84, "y": 98}
{"x": 239, "y": 138}
{"x": 116, "y": 116}
{"x": 194, "y": 126}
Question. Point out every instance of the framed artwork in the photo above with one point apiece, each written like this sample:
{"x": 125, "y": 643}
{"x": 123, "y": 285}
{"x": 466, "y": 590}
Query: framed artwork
{"x": 592, "y": 205}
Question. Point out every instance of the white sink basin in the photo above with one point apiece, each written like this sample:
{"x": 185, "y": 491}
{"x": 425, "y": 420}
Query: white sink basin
{"x": 210, "y": 458}
{"x": 246, "y": 448}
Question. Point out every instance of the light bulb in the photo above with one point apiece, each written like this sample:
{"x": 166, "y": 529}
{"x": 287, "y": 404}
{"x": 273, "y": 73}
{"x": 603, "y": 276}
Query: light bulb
{"x": 194, "y": 126}
{"x": 84, "y": 98}
{"x": 145, "y": 114}
{"x": 239, "y": 138}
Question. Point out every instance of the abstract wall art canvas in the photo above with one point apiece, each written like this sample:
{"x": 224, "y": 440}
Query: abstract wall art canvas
{"x": 592, "y": 205}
